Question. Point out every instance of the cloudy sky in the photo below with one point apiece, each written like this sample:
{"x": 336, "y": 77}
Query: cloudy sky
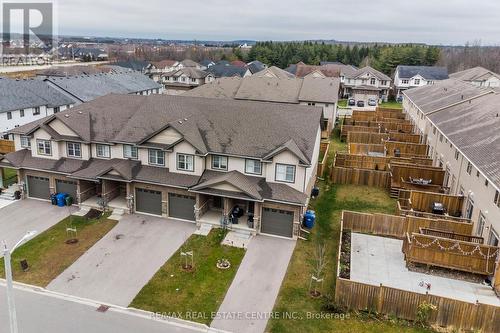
{"x": 428, "y": 21}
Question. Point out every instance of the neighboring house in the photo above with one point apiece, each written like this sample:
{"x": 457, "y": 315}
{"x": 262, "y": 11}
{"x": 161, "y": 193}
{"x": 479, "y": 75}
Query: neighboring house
{"x": 23, "y": 101}
{"x": 238, "y": 63}
{"x": 256, "y": 66}
{"x": 461, "y": 124}
{"x": 187, "y": 158}
{"x": 206, "y": 63}
{"x": 135, "y": 65}
{"x": 324, "y": 70}
{"x": 69, "y": 52}
{"x": 321, "y": 92}
{"x": 187, "y": 78}
{"x": 478, "y": 76}
{"x": 84, "y": 88}
{"x": 222, "y": 69}
{"x": 157, "y": 68}
{"x": 275, "y": 72}
{"x": 366, "y": 83}
{"x": 406, "y": 77}
{"x": 190, "y": 63}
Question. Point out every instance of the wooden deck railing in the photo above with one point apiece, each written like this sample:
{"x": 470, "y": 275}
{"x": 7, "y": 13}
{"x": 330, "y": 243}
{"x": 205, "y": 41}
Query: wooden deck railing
{"x": 452, "y": 235}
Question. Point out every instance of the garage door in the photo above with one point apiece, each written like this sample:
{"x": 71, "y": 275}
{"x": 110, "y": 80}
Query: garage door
{"x": 147, "y": 201}
{"x": 38, "y": 187}
{"x": 277, "y": 222}
{"x": 181, "y": 206}
{"x": 66, "y": 186}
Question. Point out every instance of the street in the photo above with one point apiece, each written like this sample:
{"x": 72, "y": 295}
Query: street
{"x": 43, "y": 311}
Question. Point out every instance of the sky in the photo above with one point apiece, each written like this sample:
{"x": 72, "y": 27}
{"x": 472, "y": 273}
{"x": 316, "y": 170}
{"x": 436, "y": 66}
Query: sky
{"x": 441, "y": 22}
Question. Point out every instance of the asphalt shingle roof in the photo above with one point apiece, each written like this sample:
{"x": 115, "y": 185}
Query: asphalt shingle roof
{"x": 427, "y": 72}
{"x": 474, "y": 74}
{"x": 223, "y": 70}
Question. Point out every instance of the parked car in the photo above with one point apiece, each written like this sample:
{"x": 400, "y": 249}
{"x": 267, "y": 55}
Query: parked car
{"x": 372, "y": 102}
{"x": 351, "y": 102}
{"x": 399, "y": 99}
{"x": 360, "y": 104}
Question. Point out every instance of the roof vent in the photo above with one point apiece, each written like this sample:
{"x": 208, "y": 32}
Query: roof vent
{"x": 66, "y": 115}
{"x": 80, "y": 112}
{"x": 180, "y": 121}
{"x": 185, "y": 119}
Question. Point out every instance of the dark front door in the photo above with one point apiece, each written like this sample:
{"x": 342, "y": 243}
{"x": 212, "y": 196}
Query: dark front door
{"x": 181, "y": 206}
{"x": 277, "y": 222}
{"x": 38, "y": 187}
{"x": 147, "y": 201}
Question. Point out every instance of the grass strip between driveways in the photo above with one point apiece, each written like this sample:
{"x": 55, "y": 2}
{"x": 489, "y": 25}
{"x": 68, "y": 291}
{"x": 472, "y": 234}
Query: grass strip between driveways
{"x": 48, "y": 255}
{"x": 196, "y": 294}
{"x": 293, "y": 298}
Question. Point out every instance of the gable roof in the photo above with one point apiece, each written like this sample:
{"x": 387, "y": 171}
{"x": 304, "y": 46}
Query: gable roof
{"x": 368, "y": 70}
{"x": 89, "y": 87}
{"x": 427, "y": 72}
{"x": 222, "y": 70}
{"x": 219, "y": 126}
{"x": 164, "y": 63}
{"x": 274, "y": 71}
{"x": 189, "y": 63}
{"x": 255, "y": 66}
{"x": 474, "y": 74}
{"x": 136, "y": 65}
{"x": 191, "y": 72}
{"x": 23, "y": 94}
{"x": 270, "y": 89}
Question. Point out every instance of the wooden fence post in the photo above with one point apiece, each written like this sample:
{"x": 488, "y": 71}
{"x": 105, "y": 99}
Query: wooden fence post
{"x": 380, "y": 298}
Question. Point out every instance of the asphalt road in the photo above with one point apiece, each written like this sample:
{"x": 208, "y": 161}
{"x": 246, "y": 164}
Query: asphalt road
{"x": 44, "y": 311}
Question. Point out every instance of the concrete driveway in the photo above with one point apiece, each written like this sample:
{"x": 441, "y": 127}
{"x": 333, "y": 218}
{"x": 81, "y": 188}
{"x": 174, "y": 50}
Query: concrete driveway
{"x": 255, "y": 286}
{"x": 24, "y": 215}
{"x": 116, "y": 268}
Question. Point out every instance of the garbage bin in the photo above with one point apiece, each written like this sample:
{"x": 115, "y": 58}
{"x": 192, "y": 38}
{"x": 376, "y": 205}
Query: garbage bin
{"x": 53, "y": 199}
{"x": 69, "y": 200}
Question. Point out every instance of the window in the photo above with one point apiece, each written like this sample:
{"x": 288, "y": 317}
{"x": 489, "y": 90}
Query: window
{"x": 486, "y": 183}
{"x": 372, "y": 81}
{"x": 405, "y": 81}
{"x": 36, "y": 111}
{"x": 496, "y": 200}
{"x": 469, "y": 167}
{"x": 493, "y": 239}
{"x": 477, "y": 173}
{"x": 441, "y": 137}
{"x": 25, "y": 141}
{"x": 480, "y": 224}
{"x": 253, "y": 167}
{"x": 9, "y": 115}
{"x": 103, "y": 151}
{"x": 185, "y": 162}
{"x": 311, "y": 103}
{"x": 417, "y": 81}
{"x": 21, "y": 113}
{"x": 130, "y": 151}
{"x": 285, "y": 173}
{"x": 43, "y": 147}
{"x": 74, "y": 149}
{"x": 219, "y": 162}
{"x": 156, "y": 157}
{"x": 57, "y": 109}
{"x": 456, "y": 154}
{"x": 193, "y": 80}
{"x": 434, "y": 130}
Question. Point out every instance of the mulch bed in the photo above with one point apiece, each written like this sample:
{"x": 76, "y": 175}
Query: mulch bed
{"x": 93, "y": 214}
{"x": 345, "y": 255}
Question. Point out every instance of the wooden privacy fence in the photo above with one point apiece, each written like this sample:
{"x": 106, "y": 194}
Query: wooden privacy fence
{"x": 390, "y": 112}
{"x": 402, "y": 175}
{"x": 404, "y": 209}
{"x": 404, "y": 304}
{"x": 399, "y": 226}
{"x": 353, "y": 176}
{"x": 324, "y": 148}
{"x": 366, "y": 149}
{"x": 451, "y": 235}
{"x": 450, "y": 253}
{"x": 6, "y": 146}
{"x": 374, "y": 162}
{"x": 350, "y": 128}
{"x": 377, "y": 138}
{"x": 421, "y": 202}
{"x": 405, "y": 148}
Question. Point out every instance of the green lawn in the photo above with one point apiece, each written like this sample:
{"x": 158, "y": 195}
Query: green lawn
{"x": 342, "y": 103}
{"x": 200, "y": 291}
{"x": 391, "y": 104}
{"x": 9, "y": 176}
{"x": 48, "y": 255}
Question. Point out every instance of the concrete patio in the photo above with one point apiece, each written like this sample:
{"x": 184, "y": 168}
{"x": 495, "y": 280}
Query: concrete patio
{"x": 376, "y": 260}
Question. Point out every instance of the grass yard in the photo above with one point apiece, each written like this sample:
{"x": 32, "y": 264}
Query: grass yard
{"x": 200, "y": 291}
{"x": 9, "y": 173}
{"x": 391, "y": 104}
{"x": 48, "y": 255}
{"x": 342, "y": 103}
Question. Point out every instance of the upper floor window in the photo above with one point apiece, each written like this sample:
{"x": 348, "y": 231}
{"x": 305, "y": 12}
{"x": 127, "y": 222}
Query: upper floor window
{"x": 417, "y": 81}
{"x": 44, "y": 147}
{"x": 405, "y": 81}
{"x": 457, "y": 154}
{"x": 21, "y": 113}
{"x": 372, "y": 80}
{"x": 130, "y": 151}
{"x": 103, "y": 151}
{"x": 185, "y": 162}
{"x": 469, "y": 167}
{"x": 496, "y": 200}
{"x": 253, "y": 166}
{"x": 9, "y": 115}
{"x": 434, "y": 130}
{"x": 156, "y": 157}
{"x": 441, "y": 137}
{"x": 57, "y": 109}
{"x": 285, "y": 173}
{"x": 219, "y": 162}
{"x": 25, "y": 141}
{"x": 193, "y": 80}
{"x": 74, "y": 149}
{"x": 36, "y": 111}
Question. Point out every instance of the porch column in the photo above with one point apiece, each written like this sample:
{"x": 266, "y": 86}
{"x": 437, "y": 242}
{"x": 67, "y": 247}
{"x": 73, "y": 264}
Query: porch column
{"x": 130, "y": 198}
{"x": 78, "y": 190}
{"x": 197, "y": 209}
{"x": 21, "y": 183}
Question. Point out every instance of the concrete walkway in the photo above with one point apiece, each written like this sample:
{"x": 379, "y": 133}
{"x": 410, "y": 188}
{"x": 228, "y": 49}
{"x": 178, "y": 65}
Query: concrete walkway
{"x": 116, "y": 268}
{"x": 24, "y": 215}
{"x": 252, "y": 294}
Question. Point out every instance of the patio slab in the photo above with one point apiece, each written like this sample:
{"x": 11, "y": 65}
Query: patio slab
{"x": 376, "y": 260}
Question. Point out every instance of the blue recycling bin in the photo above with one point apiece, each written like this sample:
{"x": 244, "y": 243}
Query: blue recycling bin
{"x": 309, "y": 219}
{"x": 61, "y": 199}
